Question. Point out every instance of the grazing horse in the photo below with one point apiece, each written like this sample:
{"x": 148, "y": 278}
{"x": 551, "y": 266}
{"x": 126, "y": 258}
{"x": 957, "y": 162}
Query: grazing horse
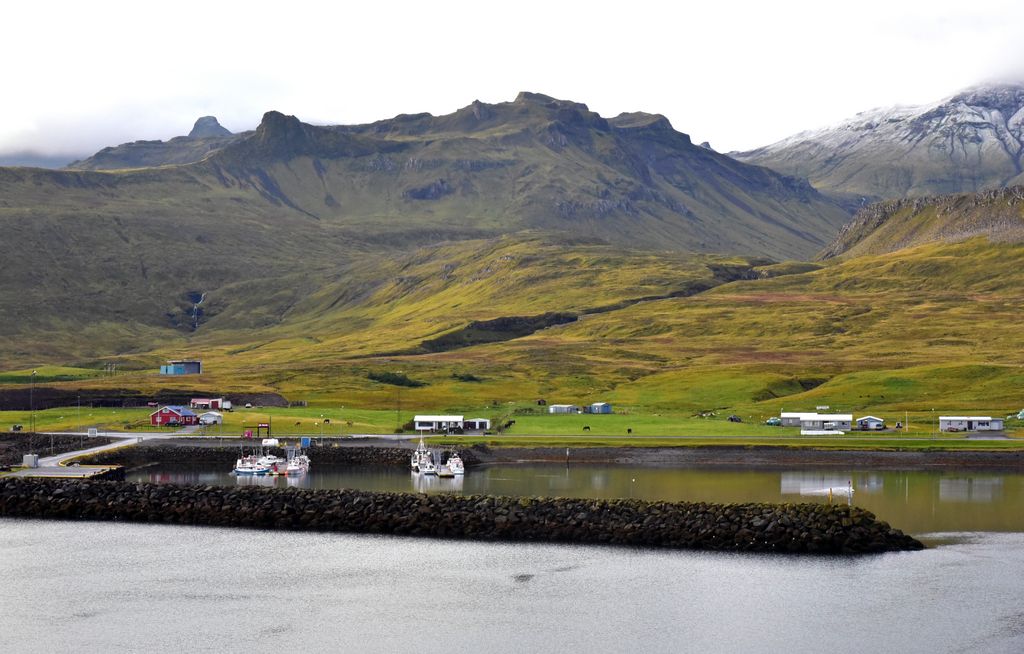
{"x": 586, "y": 427}
{"x": 629, "y": 430}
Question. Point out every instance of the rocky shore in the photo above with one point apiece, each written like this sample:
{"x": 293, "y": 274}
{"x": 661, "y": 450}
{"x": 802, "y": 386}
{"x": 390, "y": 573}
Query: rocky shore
{"x": 761, "y": 457}
{"x": 226, "y": 455}
{"x": 784, "y": 528}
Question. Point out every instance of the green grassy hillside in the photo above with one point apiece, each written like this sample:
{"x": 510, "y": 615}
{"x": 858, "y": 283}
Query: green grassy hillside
{"x": 928, "y": 330}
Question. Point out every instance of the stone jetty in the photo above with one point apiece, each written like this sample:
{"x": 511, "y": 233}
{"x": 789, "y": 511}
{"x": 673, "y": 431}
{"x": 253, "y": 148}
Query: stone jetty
{"x": 225, "y": 455}
{"x": 784, "y": 528}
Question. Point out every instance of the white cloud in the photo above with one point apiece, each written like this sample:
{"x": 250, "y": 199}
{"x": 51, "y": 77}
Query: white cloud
{"x": 740, "y": 74}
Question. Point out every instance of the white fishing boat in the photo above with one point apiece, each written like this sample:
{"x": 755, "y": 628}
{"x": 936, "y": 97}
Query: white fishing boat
{"x": 423, "y": 460}
{"x": 250, "y": 466}
{"x": 427, "y": 466}
{"x": 456, "y": 465}
{"x": 297, "y": 465}
{"x": 272, "y": 459}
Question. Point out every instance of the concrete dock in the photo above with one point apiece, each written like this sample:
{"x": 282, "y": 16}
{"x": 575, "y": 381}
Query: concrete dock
{"x": 56, "y": 467}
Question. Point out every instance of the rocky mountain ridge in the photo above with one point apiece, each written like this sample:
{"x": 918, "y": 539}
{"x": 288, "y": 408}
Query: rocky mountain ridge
{"x": 206, "y": 136}
{"x": 971, "y": 141}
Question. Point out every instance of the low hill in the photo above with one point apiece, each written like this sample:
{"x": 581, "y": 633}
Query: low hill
{"x": 896, "y": 224}
{"x": 969, "y": 142}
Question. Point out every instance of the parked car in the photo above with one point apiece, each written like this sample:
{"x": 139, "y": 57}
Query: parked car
{"x": 773, "y": 422}
{"x": 16, "y": 428}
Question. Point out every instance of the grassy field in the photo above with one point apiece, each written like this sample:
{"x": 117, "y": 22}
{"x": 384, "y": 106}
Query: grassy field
{"x": 847, "y": 442}
{"x": 536, "y": 430}
{"x": 48, "y": 375}
{"x": 924, "y": 332}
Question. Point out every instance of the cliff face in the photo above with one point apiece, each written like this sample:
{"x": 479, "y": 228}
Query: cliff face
{"x": 896, "y": 224}
{"x": 969, "y": 142}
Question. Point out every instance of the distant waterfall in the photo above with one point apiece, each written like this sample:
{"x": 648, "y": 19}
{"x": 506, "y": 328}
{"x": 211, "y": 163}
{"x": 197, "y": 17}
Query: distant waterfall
{"x": 196, "y": 312}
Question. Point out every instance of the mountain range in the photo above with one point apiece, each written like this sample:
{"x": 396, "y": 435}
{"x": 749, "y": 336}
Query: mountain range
{"x": 971, "y": 141}
{"x": 254, "y": 219}
{"x": 534, "y": 163}
{"x": 518, "y": 249}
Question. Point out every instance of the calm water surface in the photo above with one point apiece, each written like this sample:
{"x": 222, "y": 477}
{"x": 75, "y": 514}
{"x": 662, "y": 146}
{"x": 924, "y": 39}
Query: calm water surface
{"x": 108, "y": 587}
{"x": 92, "y": 587}
{"x": 916, "y": 502}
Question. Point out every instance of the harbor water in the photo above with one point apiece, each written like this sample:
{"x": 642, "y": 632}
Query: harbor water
{"x": 917, "y": 502}
{"x": 86, "y": 587}
{"x": 91, "y": 587}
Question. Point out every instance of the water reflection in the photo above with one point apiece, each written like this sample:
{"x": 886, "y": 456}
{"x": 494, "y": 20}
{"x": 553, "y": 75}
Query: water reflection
{"x": 267, "y": 481}
{"x": 970, "y": 489}
{"x": 434, "y": 484}
{"x": 814, "y": 484}
{"x": 915, "y": 501}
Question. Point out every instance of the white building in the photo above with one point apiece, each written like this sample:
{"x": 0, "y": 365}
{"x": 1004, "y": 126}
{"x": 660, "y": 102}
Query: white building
{"x": 870, "y": 423}
{"x": 818, "y": 421}
{"x": 443, "y": 424}
{"x": 563, "y": 408}
{"x": 477, "y": 424}
{"x": 970, "y": 423}
{"x": 211, "y": 418}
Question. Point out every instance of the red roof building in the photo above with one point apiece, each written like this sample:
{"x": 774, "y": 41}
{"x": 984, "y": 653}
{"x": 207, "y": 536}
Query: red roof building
{"x": 173, "y": 415}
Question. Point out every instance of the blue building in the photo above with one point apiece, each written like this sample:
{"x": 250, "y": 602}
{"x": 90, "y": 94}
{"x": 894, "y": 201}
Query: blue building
{"x": 182, "y": 368}
{"x": 600, "y": 407}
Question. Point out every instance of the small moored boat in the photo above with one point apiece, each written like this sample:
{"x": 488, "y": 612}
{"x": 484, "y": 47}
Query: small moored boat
{"x": 456, "y": 465}
{"x": 250, "y": 465}
{"x": 297, "y": 465}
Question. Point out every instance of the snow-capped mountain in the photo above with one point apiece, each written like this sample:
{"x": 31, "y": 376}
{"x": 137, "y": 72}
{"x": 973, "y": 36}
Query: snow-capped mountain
{"x": 969, "y": 142}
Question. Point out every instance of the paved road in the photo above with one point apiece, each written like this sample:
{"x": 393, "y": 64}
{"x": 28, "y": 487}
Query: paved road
{"x": 51, "y": 466}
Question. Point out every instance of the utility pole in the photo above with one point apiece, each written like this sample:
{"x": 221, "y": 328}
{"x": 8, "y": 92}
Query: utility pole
{"x": 32, "y": 408}
{"x": 398, "y": 408}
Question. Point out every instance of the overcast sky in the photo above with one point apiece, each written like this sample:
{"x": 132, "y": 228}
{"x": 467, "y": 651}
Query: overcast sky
{"x": 82, "y": 75}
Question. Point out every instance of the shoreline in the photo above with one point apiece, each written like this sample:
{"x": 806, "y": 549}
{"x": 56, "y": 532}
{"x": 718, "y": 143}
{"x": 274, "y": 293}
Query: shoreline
{"x": 727, "y": 457}
{"x": 760, "y": 457}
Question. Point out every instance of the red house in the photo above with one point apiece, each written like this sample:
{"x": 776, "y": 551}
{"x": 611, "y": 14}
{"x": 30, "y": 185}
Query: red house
{"x": 173, "y": 415}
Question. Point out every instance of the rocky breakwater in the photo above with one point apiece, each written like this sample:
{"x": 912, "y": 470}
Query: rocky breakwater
{"x": 785, "y": 528}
